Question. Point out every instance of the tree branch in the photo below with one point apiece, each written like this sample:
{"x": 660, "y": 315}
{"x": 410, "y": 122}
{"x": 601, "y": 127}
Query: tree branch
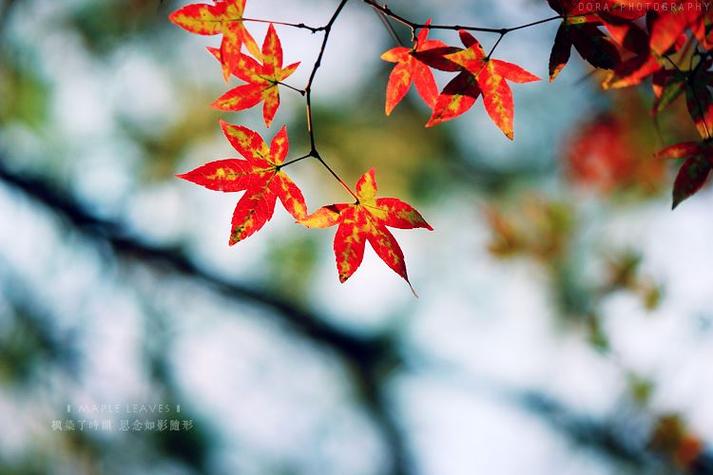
{"x": 365, "y": 357}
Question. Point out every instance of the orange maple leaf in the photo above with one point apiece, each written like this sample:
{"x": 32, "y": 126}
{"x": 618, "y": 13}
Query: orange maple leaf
{"x": 224, "y": 17}
{"x": 367, "y": 220}
{"x": 259, "y": 175}
{"x": 410, "y": 70}
{"x": 263, "y": 80}
{"x": 481, "y": 75}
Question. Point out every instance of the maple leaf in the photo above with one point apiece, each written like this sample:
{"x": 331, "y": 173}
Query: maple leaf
{"x": 262, "y": 80}
{"x": 224, "y": 17}
{"x": 702, "y": 29}
{"x": 579, "y": 28}
{"x": 259, "y": 175}
{"x": 699, "y": 99}
{"x": 484, "y": 76}
{"x": 667, "y": 20}
{"x": 367, "y": 220}
{"x": 643, "y": 64}
{"x": 410, "y": 70}
{"x": 589, "y": 41}
{"x": 668, "y": 26}
{"x": 694, "y": 171}
{"x": 457, "y": 97}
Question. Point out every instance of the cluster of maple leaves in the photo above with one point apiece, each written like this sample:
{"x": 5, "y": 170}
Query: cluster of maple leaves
{"x": 669, "y": 42}
{"x": 631, "y": 39}
{"x": 259, "y": 173}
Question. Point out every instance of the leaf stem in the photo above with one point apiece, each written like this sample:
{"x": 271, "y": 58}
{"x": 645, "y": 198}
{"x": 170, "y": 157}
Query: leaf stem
{"x": 295, "y": 160}
{"x": 497, "y": 43}
{"x": 336, "y": 176}
{"x": 313, "y": 29}
{"x": 327, "y": 29}
{"x": 301, "y": 92}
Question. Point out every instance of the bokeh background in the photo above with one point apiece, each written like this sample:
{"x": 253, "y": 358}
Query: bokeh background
{"x": 565, "y": 318}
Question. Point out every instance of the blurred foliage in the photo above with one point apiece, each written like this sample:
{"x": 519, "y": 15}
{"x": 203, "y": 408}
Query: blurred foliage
{"x": 546, "y": 231}
{"x": 128, "y": 18}
{"x": 291, "y": 264}
{"x": 613, "y": 152}
{"x": 24, "y": 95}
{"x": 23, "y": 350}
{"x": 672, "y": 438}
{"x": 533, "y": 227}
{"x": 640, "y": 388}
{"x": 164, "y": 148}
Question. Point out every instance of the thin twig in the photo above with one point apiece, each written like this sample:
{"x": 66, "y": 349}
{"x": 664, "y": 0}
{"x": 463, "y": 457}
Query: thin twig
{"x": 389, "y": 27}
{"x": 308, "y": 99}
{"x": 313, "y": 29}
{"x": 302, "y": 92}
{"x": 417, "y": 26}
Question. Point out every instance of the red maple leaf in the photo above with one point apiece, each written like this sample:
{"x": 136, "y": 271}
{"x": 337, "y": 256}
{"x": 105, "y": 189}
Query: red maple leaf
{"x": 644, "y": 63}
{"x": 410, "y": 70}
{"x": 263, "y": 80}
{"x": 367, "y": 220}
{"x": 224, "y": 17}
{"x": 481, "y": 75}
{"x": 669, "y": 19}
{"x": 259, "y": 175}
{"x": 694, "y": 171}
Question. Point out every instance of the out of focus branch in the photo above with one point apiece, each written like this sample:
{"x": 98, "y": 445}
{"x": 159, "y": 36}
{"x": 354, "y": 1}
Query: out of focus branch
{"x": 618, "y": 437}
{"x": 126, "y": 245}
{"x": 368, "y": 358}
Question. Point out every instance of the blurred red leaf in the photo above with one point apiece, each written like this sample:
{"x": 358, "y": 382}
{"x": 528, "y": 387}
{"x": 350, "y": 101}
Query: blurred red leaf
{"x": 604, "y": 154}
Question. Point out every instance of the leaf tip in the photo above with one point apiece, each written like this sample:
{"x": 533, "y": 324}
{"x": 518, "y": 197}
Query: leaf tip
{"x": 224, "y": 125}
{"x": 218, "y": 104}
{"x": 174, "y": 17}
{"x": 432, "y": 122}
{"x": 413, "y": 291}
{"x": 234, "y": 237}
